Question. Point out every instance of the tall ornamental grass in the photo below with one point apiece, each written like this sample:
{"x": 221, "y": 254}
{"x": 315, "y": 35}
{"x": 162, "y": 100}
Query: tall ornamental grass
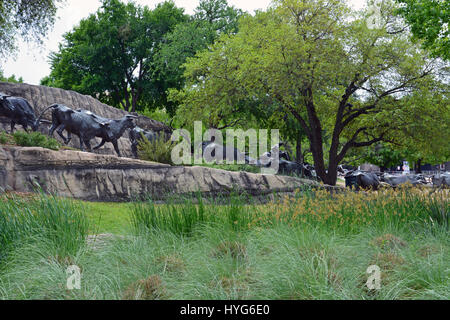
{"x": 60, "y": 222}
{"x": 292, "y": 248}
{"x": 346, "y": 212}
{"x": 402, "y": 208}
{"x": 183, "y": 219}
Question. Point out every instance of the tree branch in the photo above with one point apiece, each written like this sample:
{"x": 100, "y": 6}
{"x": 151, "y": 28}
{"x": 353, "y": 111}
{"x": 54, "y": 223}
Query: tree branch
{"x": 353, "y": 144}
{"x": 230, "y": 125}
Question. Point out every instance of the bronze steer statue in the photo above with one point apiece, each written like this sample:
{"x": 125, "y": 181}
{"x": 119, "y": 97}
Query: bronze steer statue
{"x": 304, "y": 170}
{"x": 285, "y": 165}
{"x": 214, "y": 151}
{"x": 396, "y": 180}
{"x": 441, "y": 180}
{"x": 112, "y": 130}
{"x": 19, "y": 111}
{"x": 362, "y": 180}
{"x": 87, "y": 126}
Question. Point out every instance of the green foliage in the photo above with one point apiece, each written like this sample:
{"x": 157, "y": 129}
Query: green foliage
{"x": 158, "y": 150}
{"x": 424, "y": 124}
{"x": 183, "y": 219}
{"x": 185, "y": 40}
{"x": 346, "y": 212}
{"x": 110, "y": 54}
{"x": 4, "y": 138}
{"x": 11, "y": 79}
{"x": 30, "y": 20}
{"x": 128, "y": 56}
{"x": 35, "y": 139}
{"x": 158, "y": 114}
{"x": 429, "y": 20}
{"x": 343, "y": 84}
{"x": 211, "y": 19}
{"x": 177, "y": 219}
{"x": 384, "y": 155}
{"x": 221, "y": 18}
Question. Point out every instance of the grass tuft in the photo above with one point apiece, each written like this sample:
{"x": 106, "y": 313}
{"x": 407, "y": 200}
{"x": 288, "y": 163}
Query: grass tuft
{"x": 150, "y": 288}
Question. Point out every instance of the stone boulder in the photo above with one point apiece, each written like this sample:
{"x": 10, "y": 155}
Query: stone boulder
{"x": 96, "y": 177}
{"x": 40, "y": 97}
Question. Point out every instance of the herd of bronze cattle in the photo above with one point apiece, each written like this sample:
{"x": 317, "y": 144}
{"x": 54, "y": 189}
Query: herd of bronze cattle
{"x": 374, "y": 180}
{"x": 82, "y": 123}
{"x": 87, "y": 126}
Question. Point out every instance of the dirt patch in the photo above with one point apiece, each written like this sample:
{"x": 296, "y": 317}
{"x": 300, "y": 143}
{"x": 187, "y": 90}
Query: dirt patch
{"x": 389, "y": 242}
{"x": 171, "y": 263}
{"x": 232, "y": 248}
{"x": 147, "y": 289}
{"x": 388, "y": 261}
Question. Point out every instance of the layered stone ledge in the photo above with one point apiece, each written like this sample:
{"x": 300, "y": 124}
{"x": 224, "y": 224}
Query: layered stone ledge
{"x": 96, "y": 177}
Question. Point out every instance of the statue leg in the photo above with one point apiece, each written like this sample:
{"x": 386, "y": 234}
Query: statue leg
{"x": 134, "y": 150}
{"x": 69, "y": 137}
{"x": 81, "y": 142}
{"x": 52, "y": 129}
{"x": 60, "y": 130}
{"x": 88, "y": 145}
{"x": 13, "y": 124}
{"x": 116, "y": 147}
{"x": 100, "y": 145}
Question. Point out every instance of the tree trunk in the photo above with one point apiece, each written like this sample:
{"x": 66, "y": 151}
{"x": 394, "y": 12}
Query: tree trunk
{"x": 332, "y": 174}
{"x": 299, "y": 152}
{"x": 133, "y": 102}
{"x": 316, "y": 140}
{"x": 317, "y": 152}
{"x": 127, "y": 97}
{"x": 419, "y": 165}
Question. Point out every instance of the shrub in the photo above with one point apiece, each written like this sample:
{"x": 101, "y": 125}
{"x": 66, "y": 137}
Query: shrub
{"x": 35, "y": 139}
{"x": 158, "y": 150}
{"x": 4, "y": 138}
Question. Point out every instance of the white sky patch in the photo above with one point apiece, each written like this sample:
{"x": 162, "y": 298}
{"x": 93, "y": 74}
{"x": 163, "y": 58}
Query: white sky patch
{"x": 31, "y": 62}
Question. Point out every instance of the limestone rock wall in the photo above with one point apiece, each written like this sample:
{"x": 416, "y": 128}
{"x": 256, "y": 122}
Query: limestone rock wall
{"x": 95, "y": 177}
{"x": 41, "y": 97}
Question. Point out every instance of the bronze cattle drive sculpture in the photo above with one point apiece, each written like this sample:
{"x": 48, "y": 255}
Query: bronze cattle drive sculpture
{"x": 87, "y": 125}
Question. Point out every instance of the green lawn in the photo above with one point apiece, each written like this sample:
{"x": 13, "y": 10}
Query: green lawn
{"x": 108, "y": 217}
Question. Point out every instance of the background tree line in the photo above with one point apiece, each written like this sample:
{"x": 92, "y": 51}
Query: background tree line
{"x": 129, "y": 55}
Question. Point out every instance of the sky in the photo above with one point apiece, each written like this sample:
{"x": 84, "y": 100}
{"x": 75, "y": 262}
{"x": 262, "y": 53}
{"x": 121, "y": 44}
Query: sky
{"x": 31, "y": 61}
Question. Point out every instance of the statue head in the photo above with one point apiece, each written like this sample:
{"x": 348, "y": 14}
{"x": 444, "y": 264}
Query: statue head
{"x": 129, "y": 124}
{"x": 4, "y": 103}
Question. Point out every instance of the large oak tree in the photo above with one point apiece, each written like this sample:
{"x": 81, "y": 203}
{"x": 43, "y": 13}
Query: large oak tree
{"x": 342, "y": 81}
